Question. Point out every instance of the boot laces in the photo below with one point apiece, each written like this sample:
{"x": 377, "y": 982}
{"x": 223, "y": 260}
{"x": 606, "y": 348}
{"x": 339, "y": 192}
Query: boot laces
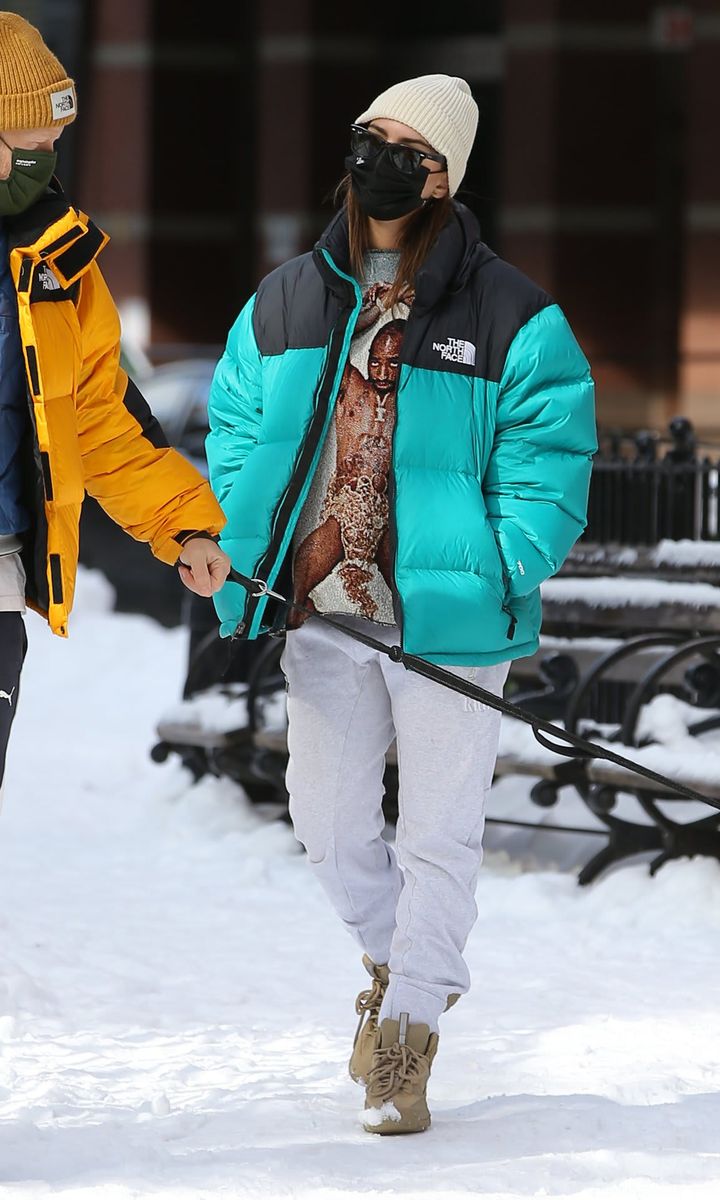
{"x": 370, "y": 1000}
{"x": 392, "y": 1069}
{"x": 368, "y": 1004}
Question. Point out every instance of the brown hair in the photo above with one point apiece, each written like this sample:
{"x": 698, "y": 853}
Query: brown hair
{"x": 419, "y": 237}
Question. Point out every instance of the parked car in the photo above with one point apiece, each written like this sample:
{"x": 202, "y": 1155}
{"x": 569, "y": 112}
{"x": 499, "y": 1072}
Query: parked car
{"x": 177, "y": 393}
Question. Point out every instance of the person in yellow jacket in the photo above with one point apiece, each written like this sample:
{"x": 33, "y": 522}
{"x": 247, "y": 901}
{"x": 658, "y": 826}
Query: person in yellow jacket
{"x": 71, "y": 421}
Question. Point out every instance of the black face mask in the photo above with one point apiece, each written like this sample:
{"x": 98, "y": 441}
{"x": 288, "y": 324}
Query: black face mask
{"x": 383, "y": 192}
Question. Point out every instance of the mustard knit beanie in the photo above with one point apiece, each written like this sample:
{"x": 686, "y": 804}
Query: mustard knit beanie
{"x": 35, "y": 92}
{"x": 438, "y": 107}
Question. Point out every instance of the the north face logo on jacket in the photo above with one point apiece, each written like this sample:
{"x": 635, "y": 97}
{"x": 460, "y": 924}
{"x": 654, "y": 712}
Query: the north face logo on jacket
{"x": 456, "y": 350}
{"x": 47, "y": 279}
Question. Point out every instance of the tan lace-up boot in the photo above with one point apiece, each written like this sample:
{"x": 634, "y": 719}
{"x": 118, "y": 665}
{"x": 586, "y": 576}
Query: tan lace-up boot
{"x": 367, "y": 1006}
{"x": 395, "y": 1097}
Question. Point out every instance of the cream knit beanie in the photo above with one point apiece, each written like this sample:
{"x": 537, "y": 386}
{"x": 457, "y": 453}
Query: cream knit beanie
{"x": 438, "y": 107}
{"x": 35, "y": 91}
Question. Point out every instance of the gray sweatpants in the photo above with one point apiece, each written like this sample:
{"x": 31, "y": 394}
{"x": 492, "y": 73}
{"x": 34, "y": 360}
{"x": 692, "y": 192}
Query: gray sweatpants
{"x": 411, "y": 906}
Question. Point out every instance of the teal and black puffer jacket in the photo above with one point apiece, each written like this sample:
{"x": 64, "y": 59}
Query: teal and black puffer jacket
{"x": 492, "y": 449}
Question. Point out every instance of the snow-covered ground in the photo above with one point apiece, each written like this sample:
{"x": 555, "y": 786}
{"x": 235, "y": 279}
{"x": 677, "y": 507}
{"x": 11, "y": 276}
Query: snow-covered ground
{"x": 176, "y": 998}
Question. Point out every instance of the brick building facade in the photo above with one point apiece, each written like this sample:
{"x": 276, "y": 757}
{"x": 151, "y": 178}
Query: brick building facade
{"x": 208, "y": 149}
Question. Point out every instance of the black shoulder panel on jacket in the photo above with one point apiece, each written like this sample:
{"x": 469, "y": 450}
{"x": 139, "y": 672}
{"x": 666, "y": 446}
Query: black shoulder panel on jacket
{"x": 509, "y": 301}
{"x": 469, "y": 332}
{"x": 294, "y": 310}
{"x": 138, "y": 407}
{"x": 77, "y": 258}
{"x": 46, "y": 286}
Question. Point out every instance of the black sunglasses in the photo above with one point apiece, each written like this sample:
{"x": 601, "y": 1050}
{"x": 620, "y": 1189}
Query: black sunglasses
{"x": 366, "y": 144}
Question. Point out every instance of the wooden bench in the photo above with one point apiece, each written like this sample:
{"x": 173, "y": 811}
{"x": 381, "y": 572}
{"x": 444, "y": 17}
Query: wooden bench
{"x": 622, "y": 625}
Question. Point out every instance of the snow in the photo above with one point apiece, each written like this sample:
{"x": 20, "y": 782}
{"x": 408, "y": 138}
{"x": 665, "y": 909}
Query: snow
{"x": 686, "y": 553}
{"x": 378, "y": 1116}
{"x": 667, "y": 719}
{"x": 177, "y": 999}
{"x": 222, "y": 709}
{"x": 683, "y": 552}
{"x": 619, "y": 592}
{"x": 219, "y": 710}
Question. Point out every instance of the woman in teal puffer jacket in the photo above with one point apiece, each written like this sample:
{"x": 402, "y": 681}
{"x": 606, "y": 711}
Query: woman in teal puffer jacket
{"x": 402, "y": 431}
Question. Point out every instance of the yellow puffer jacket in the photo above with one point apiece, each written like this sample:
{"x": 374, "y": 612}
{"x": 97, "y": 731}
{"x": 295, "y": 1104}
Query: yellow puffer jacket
{"x": 91, "y": 429}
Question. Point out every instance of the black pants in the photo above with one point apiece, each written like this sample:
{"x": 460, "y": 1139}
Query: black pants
{"x": 13, "y": 645}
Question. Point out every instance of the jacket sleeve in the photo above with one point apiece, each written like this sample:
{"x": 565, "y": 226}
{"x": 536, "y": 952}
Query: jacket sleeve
{"x": 536, "y": 483}
{"x": 150, "y": 490}
{"x": 235, "y": 406}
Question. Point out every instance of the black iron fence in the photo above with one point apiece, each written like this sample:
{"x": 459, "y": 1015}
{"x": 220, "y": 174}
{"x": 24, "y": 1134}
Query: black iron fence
{"x": 647, "y": 487}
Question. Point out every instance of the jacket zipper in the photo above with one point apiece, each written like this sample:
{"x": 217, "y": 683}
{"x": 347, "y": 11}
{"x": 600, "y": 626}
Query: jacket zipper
{"x": 508, "y": 612}
{"x": 392, "y": 497}
{"x": 392, "y": 535}
{"x": 36, "y": 566}
{"x": 36, "y": 562}
{"x": 290, "y": 497}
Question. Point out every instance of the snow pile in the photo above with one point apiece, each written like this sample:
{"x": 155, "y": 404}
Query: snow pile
{"x": 686, "y": 553}
{"x": 224, "y": 709}
{"x": 217, "y": 710}
{"x": 621, "y": 593}
{"x": 667, "y": 719}
{"x": 378, "y": 1116}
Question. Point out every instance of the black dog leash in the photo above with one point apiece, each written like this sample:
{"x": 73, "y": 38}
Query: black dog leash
{"x": 577, "y": 748}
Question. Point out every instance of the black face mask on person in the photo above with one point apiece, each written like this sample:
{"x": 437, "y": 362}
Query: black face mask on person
{"x": 383, "y": 191}
{"x": 29, "y": 176}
